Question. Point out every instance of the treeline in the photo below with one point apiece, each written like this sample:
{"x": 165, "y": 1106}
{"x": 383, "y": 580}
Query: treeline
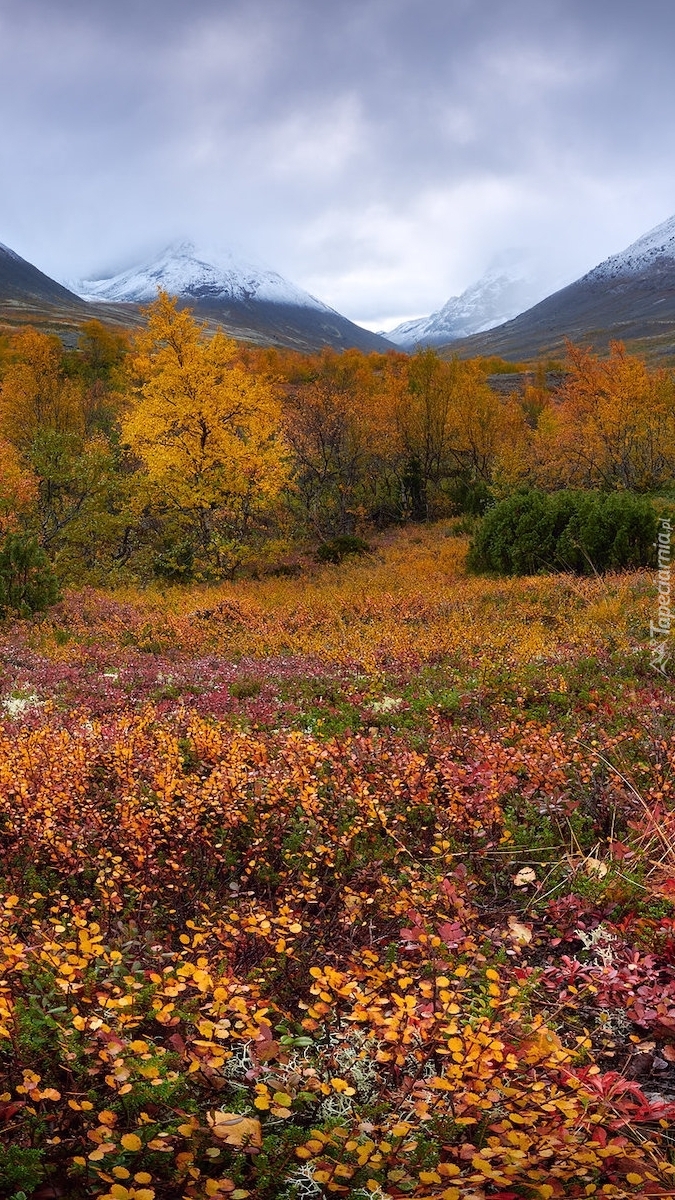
{"x": 182, "y": 455}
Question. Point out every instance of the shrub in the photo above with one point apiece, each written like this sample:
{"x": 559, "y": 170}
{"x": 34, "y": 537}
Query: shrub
{"x": 339, "y": 547}
{"x": 583, "y": 532}
{"x": 469, "y": 497}
{"x": 20, "y": 1169}
{"x": 27, "y": 582}
{"x": 175, "y": 563}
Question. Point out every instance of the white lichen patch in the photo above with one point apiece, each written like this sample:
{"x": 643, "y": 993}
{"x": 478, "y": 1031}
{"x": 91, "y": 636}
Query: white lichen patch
{"x": 19, "y": 702}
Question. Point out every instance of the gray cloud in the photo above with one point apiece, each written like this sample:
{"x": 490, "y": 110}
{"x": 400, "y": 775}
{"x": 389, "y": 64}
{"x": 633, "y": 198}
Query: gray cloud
{"x": 379, "y": 152}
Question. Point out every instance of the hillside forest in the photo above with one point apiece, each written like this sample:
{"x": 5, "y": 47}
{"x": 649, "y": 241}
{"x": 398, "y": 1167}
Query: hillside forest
{"x": 337, "y": 772}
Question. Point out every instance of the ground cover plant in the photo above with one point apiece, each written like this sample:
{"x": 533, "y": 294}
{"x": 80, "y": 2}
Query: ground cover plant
{"x": 359, "y": 884}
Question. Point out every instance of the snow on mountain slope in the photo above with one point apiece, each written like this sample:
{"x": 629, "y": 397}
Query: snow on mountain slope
{"x": 656, "y": 245}
{"x": 628, "y": 297}
{"x": 506, "y": 289}
{"x": 185, "y": 270}
{"x": 9, "y": 252}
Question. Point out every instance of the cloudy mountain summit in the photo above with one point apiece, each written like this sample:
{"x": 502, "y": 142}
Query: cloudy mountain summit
{"x": 204, "y": 276}
{"x": 252, "y": 301}
{"x": 629, "y": 295}
{"x": 507, "y": 288}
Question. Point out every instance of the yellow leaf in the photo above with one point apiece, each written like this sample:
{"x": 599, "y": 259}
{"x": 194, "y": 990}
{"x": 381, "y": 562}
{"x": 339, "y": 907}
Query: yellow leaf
{"x": 131, "y": 1141}
{"x": 632, "y": 1177}
{"x": 142, "y": 1177}
{"x": 480, "y": 1164}
{"x": 401, "y": 1129}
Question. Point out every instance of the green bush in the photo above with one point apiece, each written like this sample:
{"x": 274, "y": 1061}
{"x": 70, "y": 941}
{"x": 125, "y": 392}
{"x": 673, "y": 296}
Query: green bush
{"x": 20, "y": 1169}
{"x": 175, "y": 563}
{"x": 27, "y": 582}
{"x": 582, "y": 532}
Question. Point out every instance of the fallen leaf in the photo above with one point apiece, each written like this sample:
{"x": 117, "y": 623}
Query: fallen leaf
{"x": 235, "y": 1129}
{"x": 524, "y": 877}
{"x": 519, "y": 933}
{"x": 594, "y": 866}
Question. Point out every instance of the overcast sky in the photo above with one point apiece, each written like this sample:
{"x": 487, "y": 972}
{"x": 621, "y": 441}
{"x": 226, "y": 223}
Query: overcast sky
{"x": 380, "y": 153}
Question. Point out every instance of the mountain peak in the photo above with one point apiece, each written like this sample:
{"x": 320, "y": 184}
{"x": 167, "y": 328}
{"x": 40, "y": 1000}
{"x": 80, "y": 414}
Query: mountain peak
{"x": 203, "y": 275}
{"x": 506, "y": 288}
{"x": 655, "y": 246}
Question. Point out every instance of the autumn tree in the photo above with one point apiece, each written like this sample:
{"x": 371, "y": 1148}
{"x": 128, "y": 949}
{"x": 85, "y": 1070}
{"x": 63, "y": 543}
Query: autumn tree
{"x": 98, "y": 364}
{"x": 206, "y": 431}
{"x": 613, "y": 426}
{"x": 18, "y": 489}
{"x": 454, "y": 431}
{"x": 340, "y": 437}
{"x": 36, "y": 391}
{"x": 71, "y": 460}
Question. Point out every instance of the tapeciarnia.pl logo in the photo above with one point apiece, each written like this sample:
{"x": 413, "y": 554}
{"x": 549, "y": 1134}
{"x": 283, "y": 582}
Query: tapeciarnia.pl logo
{"x": 659, "y": 630}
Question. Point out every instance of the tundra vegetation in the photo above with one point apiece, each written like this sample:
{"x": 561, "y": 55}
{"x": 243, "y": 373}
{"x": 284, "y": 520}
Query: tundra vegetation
{"x": 329, "y": 867}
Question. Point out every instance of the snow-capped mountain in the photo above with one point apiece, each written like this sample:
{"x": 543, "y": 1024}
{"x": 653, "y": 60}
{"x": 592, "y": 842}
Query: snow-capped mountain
{"x": 506, "y": 289}
{"x": 628, "y": 296}
{"x": 185, "y": 270}
{"x": 655, "y": 249}
{"x": 249, "y": 301}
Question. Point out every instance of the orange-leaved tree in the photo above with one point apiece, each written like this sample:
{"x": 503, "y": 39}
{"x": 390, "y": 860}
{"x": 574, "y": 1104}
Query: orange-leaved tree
{"x": 614, "y": 425}
{"x": 18, "y": 489}
{"x": 206, "y": 431}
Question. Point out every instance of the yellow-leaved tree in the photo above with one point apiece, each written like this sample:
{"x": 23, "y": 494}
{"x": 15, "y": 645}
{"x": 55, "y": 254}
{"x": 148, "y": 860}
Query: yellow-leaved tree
{"x": 207, "y": 433}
